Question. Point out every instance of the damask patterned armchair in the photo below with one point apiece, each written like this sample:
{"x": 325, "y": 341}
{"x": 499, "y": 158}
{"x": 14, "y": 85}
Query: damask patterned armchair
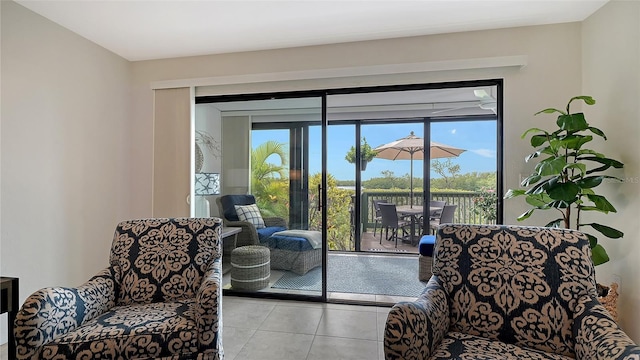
{"x": 507, "y": 292}
{"x": 159, "y": 298}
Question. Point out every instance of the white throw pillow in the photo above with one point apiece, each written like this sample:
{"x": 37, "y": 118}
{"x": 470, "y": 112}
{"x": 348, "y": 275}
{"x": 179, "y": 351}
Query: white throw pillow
{"x": 250, "y": 213}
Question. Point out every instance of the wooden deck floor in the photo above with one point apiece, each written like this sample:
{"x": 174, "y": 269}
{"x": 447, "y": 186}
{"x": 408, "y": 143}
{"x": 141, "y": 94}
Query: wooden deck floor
{"x": 369, "y": 243}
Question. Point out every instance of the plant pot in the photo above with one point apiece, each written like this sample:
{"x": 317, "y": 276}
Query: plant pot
{"x": 363, "y": 165}
{"x": 608, "y": 297}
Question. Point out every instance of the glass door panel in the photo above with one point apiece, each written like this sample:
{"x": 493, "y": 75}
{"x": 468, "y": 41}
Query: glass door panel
{"x": 467, "y": 181}
{"x": 341, "y": 194}
{"x": 268, "y": 160}
{"x": 394, "y": 177}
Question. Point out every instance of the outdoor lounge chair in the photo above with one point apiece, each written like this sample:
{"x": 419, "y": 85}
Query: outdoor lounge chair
{"x": 251, "y": 233}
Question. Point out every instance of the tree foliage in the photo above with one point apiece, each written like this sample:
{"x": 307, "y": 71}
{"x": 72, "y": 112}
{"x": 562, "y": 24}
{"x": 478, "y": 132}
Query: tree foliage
{"x": 269, "y": 179}
{"x": 338, "y": 214}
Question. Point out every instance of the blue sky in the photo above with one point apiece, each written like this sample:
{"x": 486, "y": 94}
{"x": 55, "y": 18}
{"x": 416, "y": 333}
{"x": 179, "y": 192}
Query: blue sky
{"x": 478, "y": 138}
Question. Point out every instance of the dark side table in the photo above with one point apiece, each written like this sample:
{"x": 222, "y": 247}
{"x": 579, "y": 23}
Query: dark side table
{"x": 9, "y": 304}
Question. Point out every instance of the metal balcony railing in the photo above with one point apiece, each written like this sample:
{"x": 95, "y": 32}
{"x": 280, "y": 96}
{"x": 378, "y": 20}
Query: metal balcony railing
{"x": 464, "y": 211}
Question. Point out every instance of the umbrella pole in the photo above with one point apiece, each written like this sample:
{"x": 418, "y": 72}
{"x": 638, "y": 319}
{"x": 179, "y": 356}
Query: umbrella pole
{"x": 411, "y": 184}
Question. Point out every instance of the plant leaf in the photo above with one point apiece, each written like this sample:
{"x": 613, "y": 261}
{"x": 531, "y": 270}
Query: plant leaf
{"x": 603, "y": 160}
{"x": 597, "y": 132}
{"x": 539, "y": 201}
{"x": 575, "y": 142}
{"x": 539, "y": 188}
{"x": 532, "y": 156}
{"x": 572, "y": 122}
{"x": 549, "y": 111}
{"x": 511, "y": 193}
{"x": 593, "y": 241}
{"x": 551, "y": 166}
{"x": 589, "y": 151}
{"x": 599, "y": 255}
{"x": 579, "y": 166}
{"x": 601, "y": 203}
{"x": 525, "y": 215}
{"x": 531, "y": 179}
{"x": 587, "y": 99}
{"x": 560, "y": 204}
{"x": 606, "y": 230}
{"x": 532, "y": 130}
{"x": 537, "y": 140}
{"x": 564, "y": 191}
{"x": 590, "y": 182}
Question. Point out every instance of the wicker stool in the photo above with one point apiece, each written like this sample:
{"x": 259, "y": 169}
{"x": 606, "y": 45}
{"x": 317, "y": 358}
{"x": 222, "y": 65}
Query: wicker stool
{"x": 250, "y": 267}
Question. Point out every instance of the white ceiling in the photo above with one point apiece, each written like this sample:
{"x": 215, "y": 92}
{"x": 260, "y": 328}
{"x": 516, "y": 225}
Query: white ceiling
{"x": 148, "y": 29}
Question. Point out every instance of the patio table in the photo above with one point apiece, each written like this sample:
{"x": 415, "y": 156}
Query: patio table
{"x": 414, "y": 212}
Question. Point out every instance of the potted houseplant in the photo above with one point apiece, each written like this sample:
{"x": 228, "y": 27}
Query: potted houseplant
{"x": 567, "y": 174}
{"x": 366, "y": 154}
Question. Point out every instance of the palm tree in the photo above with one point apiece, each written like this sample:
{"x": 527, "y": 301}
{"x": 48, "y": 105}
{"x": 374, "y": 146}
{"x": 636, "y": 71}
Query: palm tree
{"x": 269, "y": 179}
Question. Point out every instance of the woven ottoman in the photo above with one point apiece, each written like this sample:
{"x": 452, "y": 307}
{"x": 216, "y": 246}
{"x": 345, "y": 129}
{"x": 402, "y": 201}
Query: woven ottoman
{"x": 250, "y": 267}
{"x": 425, "y": 260}
{"x": 291, "y": 250}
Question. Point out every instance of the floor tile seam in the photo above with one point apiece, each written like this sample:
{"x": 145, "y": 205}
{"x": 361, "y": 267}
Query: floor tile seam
{"x": 345, "y": 338}
{"x": 348, "y": 337}
{"x": 353, "y": 310}
{"x": 284, "y": 332}
{"x": 301, "y": 307}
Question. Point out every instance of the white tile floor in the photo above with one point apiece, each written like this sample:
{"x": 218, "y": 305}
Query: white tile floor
{"x": 292, "y": 330}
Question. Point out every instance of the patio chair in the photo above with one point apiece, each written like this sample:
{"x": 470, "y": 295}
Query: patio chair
{"x": 448, "y": 211}
{"x": 378, "y": 215}
{"x": 436, "y": 214}
{"x": 433, "y": 215}
{"x": 507, "y": 292}
{"x": 391, "y": 221}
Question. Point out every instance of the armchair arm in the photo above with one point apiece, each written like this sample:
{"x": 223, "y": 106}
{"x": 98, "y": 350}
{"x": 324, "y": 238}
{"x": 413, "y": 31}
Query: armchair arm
{"x": 415, "y": 329}
{"x": 208, "y": 309}
{"x": 51, "y": 312}
{"x": 248, "y": 235}
{"x": 274, "y": 221}
{"x": 597, "y": 335}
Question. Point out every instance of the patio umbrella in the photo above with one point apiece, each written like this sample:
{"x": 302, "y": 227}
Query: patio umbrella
{"x": 412, "y": 147}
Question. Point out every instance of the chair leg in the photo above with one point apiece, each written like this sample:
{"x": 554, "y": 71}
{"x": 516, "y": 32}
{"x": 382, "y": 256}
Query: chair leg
{"x": 396, "y": 232}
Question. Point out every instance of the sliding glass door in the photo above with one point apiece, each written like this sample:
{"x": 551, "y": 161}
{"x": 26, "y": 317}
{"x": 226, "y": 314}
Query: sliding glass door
{"x": 265, "y": 157}
{"x": 316, "y": 168}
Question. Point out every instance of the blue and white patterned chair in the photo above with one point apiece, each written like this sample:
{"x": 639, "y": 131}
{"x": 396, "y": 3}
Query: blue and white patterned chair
{"x": 507, "y": 292}
{"x": 159, "y": 298}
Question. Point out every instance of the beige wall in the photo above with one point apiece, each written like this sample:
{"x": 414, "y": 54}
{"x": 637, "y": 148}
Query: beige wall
{"x": 66, "y": 140}
{"x": 553, "y": 74}
{"x": 611, "y": 63}
{"x": 76, "y": 158}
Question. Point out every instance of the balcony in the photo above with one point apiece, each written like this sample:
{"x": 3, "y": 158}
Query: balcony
{"x": 466, "y": 212}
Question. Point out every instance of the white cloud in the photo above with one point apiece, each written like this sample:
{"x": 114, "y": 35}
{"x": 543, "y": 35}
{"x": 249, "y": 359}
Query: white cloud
{"x": 485, "y": 153}
{"x": 453, "y": 131}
